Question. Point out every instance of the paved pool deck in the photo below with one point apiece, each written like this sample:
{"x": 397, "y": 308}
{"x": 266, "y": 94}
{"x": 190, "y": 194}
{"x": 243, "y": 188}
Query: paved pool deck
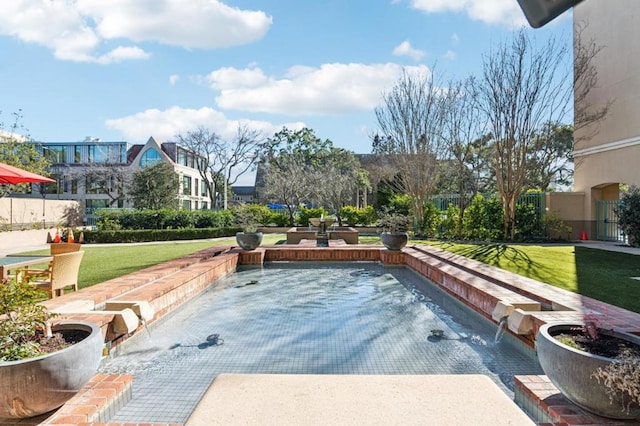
{"x": 288, "y": 400}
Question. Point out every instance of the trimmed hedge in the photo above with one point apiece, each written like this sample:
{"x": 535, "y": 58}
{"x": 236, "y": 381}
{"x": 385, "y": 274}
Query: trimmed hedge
{"x": 146, "y": 235}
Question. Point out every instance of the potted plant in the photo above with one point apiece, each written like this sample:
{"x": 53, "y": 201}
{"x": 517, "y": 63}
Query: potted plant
{"x": 394, "y": 229}
{"x": 248, "y": 219}
{"x": 595, "y": 368}
{"x": 42, "y": 364}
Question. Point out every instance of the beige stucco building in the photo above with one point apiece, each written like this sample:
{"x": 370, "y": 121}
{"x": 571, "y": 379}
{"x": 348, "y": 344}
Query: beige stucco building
{"x": 608, "y": 155}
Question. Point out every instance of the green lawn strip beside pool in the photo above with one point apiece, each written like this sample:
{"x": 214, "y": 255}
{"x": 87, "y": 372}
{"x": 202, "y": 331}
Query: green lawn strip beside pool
{"x": 601, "y": 274}
{"x": 102, "y": 263}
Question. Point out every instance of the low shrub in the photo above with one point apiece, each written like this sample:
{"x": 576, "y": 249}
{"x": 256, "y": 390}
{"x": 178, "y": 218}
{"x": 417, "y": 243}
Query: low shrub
{"x": 146, "y": 235}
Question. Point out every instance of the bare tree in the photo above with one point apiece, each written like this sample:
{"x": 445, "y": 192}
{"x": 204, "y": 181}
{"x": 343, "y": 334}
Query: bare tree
{"x": 522, "y": 90}
{"x": 335, "y": 182}
{"x": 464, "y": 131}
{"x": 411, "y": 119}
{"x": 287, "y": 182}
{"x": 220, "y": 160}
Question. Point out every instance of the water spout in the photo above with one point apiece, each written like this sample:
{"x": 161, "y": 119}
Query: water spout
{"x": 502, "y": 327}
{"x": 144, "y": 324}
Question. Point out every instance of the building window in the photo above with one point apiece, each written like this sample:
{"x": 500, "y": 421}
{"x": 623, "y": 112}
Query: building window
{"x": 186, "y": 204}
{"x": 93, "y": 205}
{"x": 53, "y": 187}
{"x": 74, "y": 184}
{"x": 186, "y": 185}
{"x": 55, "y": 154}
{"x": 204, "y": 205}
{"x": 96, "y": 184}
{"x": 77, "y": 154}
{"x": 203, "y": 189}
{"x": 150, "y": 158}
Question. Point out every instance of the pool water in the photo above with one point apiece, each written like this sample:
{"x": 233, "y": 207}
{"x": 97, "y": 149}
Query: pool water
{"x": 309, "y": 318}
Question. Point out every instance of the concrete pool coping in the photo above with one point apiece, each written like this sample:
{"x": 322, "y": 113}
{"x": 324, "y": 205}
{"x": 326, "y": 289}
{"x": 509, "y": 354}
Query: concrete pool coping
{"x": 283, "y": 399}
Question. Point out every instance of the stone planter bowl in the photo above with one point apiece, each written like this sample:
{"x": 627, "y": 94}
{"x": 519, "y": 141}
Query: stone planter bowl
{"x": 35, "y": 386}
{"x": 570, "y": 370}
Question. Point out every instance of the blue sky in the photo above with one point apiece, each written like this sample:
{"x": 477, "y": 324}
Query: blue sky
{"x": 131, "y": 69}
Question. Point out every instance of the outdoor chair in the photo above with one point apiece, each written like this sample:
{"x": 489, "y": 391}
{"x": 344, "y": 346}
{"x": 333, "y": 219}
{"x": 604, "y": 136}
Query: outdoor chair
{"x": 54, "y": 249}
{"x": 63, "y": 274}
{"x": 59, "y": 248}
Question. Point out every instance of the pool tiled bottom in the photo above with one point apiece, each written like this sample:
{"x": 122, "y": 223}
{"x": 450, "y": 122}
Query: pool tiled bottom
{"x": 309, "y": 319}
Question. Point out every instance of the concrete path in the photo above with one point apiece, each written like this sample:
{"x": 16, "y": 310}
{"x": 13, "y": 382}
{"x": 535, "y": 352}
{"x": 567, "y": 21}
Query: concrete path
{"x": 283, "y": 399}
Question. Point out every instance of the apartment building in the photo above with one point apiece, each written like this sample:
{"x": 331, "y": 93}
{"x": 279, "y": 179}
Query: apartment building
{"x": 95, "y": 172}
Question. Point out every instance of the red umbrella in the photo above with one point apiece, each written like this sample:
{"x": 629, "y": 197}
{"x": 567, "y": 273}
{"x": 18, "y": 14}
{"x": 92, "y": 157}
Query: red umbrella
{"x": 13, "y": 175}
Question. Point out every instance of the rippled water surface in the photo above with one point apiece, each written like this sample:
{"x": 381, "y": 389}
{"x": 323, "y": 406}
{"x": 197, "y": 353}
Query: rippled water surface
{"x": 309, "y": 318}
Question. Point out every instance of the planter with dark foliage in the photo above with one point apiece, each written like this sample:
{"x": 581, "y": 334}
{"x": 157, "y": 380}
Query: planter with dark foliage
{"x": 601, "y": 384}
{"x": 34, "y": 386}
{"x": 394, "y": 240}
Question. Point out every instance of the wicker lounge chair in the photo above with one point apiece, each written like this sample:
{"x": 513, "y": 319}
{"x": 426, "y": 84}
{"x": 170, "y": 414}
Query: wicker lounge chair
{"x": 63, "y": 274}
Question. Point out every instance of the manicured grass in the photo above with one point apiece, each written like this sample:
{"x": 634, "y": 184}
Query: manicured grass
{"x": 600, "y": 274}
{"x": 102, "y": 263}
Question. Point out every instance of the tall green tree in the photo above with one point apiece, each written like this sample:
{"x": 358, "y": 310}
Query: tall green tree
{"x": 302, "y": 168}
{"x": 550, "y": 163}
{"x": 155, "y": 187}
{"x": 18, "y": 150}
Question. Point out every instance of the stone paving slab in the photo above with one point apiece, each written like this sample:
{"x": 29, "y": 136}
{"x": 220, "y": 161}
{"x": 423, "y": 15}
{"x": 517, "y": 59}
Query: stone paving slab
{"x": 282, "y": 399}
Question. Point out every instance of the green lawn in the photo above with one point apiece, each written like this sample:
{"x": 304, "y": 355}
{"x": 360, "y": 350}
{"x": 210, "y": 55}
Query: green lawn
{"x": 102, "y": 263}
{"x": 600, "y": 274}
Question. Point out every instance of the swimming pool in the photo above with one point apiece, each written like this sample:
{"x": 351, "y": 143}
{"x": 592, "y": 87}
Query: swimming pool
{"x": 309, "y": 318}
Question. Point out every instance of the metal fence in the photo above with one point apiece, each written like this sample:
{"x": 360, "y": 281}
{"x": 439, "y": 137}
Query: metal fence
{"x": 607, "y": 227}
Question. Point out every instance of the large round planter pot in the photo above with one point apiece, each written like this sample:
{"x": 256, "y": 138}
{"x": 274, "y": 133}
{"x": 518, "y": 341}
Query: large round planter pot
{"x": 571, "y": 370}
{"x": 394, "y": 240}
{"x": 249, "y": 240}
{"x": 35, "y": 386}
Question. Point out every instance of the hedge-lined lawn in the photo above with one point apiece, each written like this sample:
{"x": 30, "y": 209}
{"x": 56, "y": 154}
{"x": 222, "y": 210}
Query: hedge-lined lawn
{"x": 104, "y": 262}
{"x": 600, "y": 274}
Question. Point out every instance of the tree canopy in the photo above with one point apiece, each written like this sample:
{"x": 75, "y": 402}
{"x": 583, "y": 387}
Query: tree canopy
{"x": 154, "y": 187}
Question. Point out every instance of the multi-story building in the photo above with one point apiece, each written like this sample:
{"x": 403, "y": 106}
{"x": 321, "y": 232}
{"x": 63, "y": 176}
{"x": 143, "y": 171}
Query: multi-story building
{"x": 95, "y": 172}
{"x": 607, "y": 154}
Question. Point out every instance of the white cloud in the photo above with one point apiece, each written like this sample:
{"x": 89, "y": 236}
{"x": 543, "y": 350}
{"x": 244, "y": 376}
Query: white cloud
{"x": 75, "y": 30}
{"x": 173, "y": 79}
{"x": 205, "y": 24}
{"x": 449, "y": 55}
{"x": 455, "y": 38}
{"x": 166, "y": 124}
{"x": 405, "y": 49}
{"x": 120, "y": 54}
{"x": 498, "y": 12}
{"x": 329, "y": 89}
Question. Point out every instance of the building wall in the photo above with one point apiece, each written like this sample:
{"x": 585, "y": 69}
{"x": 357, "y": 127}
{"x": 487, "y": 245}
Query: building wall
{"x": 611, "y": 154}
{"x": 19, "y": 213}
